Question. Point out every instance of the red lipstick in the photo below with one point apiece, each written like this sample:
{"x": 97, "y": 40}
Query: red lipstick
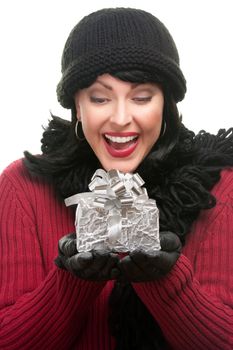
{"x": 122, "y": 134}
{"x": 121, "y": 152}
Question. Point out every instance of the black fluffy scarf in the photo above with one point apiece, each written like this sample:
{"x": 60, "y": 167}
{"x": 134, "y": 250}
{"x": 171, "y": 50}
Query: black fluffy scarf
{"x": 181, "y": 184}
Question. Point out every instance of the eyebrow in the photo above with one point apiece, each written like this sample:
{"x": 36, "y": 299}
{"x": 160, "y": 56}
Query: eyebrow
{"x": 110, "y": 88}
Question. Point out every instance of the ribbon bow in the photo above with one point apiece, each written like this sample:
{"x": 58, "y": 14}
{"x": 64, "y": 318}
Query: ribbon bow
{"x": 115, "y": 192}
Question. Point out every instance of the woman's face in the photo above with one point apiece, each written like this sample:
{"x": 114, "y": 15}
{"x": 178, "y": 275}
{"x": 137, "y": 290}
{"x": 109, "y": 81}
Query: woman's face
{"x": 121, "y": 121}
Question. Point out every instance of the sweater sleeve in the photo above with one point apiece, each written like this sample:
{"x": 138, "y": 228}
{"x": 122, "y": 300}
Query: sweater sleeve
{"x": 39, "y": 309}
{"x": 193, "y": 304}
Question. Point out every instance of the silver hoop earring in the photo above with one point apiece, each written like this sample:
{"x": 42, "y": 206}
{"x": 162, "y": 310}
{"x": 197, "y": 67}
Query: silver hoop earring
{"x": 164, "y": 128}
{"x": 76, "y": 132}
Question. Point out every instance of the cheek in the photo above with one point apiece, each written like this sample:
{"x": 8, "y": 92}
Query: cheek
{"x": 89, "y": 128}
{"x": 89, "y": 120}
{"x": 153, "y": 122}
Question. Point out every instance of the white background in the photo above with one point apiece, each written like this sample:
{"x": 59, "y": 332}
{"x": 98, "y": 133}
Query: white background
{"x": 32, "y": 36}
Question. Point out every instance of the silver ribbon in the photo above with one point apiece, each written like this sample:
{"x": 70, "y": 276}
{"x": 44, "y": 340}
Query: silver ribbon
{"x": 115, "y": 192}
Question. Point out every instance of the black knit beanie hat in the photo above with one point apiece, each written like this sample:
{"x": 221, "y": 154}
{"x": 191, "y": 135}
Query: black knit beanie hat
{"x": 118, "y": 39}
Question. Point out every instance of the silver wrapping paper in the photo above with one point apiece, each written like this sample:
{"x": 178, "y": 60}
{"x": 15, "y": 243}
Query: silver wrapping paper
{"x": 116, "y": 214}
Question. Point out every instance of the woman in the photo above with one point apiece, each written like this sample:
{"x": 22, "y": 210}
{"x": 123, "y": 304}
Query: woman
{"x": 121, "y": 79}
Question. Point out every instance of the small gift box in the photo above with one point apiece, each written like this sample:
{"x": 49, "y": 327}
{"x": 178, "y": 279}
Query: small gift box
{"x": 117, "y": 214}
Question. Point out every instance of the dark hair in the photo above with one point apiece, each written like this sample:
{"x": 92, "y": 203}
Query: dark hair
{"x": 62, "y": 151}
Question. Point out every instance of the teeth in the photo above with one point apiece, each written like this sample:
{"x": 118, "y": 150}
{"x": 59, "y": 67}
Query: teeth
{"x": 120, "y": 139}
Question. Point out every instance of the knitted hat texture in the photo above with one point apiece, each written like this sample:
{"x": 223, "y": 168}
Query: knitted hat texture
{"x": 118, "y": 39}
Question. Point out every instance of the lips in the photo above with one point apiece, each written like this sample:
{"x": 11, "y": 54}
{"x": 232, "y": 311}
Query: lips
{"x": 120, "y": 144}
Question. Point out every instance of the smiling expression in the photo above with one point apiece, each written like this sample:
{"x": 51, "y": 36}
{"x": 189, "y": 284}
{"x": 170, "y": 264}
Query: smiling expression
{"x": 121, "y": 120}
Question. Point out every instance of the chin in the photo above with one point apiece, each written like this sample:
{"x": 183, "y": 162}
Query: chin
{"x": 124, "y": 168}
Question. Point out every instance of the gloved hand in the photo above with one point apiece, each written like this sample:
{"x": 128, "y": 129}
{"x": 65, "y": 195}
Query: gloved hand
{"x": 97, "y": 265}
{"x": 140, "y": 266}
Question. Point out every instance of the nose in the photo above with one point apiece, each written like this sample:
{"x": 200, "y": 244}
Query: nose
{"x": 121, "y": 115}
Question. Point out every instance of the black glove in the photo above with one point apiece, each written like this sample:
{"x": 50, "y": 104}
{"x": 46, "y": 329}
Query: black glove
{"x": 140, "y": 266}
{"x": 97, "y": 265}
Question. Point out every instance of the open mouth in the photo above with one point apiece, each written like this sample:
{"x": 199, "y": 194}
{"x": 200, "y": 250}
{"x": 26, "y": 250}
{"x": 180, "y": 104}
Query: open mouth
{"x": 118, "y": 142}
{"x": 121, "y": 146}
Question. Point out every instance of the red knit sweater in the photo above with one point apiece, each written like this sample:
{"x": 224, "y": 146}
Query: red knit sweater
{"x": 43, "y": 307}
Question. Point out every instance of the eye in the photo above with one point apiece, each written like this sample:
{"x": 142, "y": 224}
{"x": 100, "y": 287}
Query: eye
{"x": 142, "y": 99}
{"x": 98, "y": 100}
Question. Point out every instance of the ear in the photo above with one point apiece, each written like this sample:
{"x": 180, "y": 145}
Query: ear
{"x": 77, "y": 106}
{"x": 78, "y": 114}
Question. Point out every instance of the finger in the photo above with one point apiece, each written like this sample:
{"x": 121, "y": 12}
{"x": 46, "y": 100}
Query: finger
{"x": 70, "y": 248}
{"x": 164, "y": 261}
{"x": 71, "y": 235}
{"x": 67, "y": 245}
{"x": 169, "y": 241}
{"x": 145, "y": 259}
{"x": 138, "y": 256}
{"x": 100, "y": 258}
{"x": 80, "y": 261}
{"x": 110, "y": 270}
{"x": 148, "y": 263}
{"x": 130, "y": 269}
{"x": 101, "y": 252}
{"x": 94, "y": 271}
{"x": 59, "y": 263}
